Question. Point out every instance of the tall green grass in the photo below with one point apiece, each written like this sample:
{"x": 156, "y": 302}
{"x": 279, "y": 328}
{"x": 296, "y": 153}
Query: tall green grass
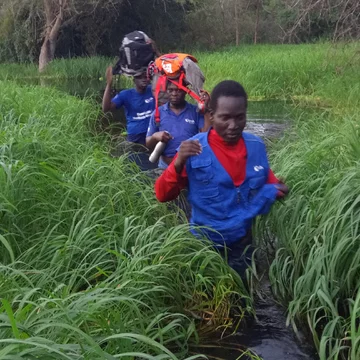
{"x": 82, "y": 67}
{"x": 317, "y": 73}
{"x": 315, "y": 270}
{"x": 92, "y": 267}
{"x": 323, "y": 73}
{"x": 315, "y": 234}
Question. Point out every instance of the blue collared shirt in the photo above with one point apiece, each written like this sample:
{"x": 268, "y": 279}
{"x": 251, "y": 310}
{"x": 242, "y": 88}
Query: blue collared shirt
{"x": 181, "y": 127}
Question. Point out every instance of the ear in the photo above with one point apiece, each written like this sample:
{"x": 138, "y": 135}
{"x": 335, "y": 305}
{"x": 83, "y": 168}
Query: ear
{"x": 211, "y": 115}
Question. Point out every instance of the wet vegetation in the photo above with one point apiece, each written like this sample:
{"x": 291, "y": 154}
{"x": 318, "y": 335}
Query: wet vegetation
{"x": 93, "y": 266}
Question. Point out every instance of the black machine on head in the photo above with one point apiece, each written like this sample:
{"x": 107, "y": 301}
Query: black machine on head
{"x": 136, "y": 52}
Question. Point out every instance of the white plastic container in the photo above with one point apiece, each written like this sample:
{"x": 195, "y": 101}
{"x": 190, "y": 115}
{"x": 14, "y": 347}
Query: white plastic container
{"x": 155, "y": 155}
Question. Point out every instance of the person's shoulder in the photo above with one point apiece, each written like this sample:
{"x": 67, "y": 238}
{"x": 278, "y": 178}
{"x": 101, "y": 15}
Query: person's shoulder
{"x": 162, "y": 113}
{"x": 164, "y": 107}
{"x": 120, "y": 98}
{"x": 200, "y": 136}
{"x": 126, "y": 93}
{"x": 251, "y": 137}
{"x": 191, "y": 107}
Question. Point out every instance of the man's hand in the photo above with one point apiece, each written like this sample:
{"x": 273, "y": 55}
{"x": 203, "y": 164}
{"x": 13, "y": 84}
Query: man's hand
{"x": 205, "y": 98}
{"x": 154, "y": 47}
{"x": 109, "y": 75}
{"x": 187, "y": 148}
{"x": 283, "y": 189}
{"x": 107, "y": 105}
{"x": 163, "y": 136}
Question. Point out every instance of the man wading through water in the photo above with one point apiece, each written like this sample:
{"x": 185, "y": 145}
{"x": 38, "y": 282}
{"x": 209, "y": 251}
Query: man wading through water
{"x": 179, "y": 121}
{"x": 138, "y": 103}
{"x": 228, "y": 177}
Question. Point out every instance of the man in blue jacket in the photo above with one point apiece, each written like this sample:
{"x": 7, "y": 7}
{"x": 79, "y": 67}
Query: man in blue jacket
{"x": 227, "y": 174}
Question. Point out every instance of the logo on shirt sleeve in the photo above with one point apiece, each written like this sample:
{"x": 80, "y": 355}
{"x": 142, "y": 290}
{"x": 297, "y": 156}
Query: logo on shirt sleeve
{"x": 258, "y": 168}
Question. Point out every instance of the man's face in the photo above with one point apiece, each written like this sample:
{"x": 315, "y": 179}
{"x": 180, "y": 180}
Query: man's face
{"x": 176, "y": 95}
{"x": 141, "y": 81}
{"x": 229, "y": 119}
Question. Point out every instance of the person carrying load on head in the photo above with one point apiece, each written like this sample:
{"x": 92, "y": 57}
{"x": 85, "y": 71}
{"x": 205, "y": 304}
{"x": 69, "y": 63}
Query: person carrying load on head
{"x": 136, "y": 52}
{"x": 176, "y": 120}
{"x": 228, "y": 177}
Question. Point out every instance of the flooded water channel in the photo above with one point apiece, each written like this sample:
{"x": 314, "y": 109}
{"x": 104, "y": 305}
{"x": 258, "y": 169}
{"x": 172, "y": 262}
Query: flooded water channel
{"x": 267, "y": 336}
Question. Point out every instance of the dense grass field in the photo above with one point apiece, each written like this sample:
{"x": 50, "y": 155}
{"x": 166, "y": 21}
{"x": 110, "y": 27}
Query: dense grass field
{"x": 315, "y": 265}
{"x": 316, "y": 234}
{"x": 92, "y": 267}
{"x": 324, "y": 74}
{"x": 86, "y": 67}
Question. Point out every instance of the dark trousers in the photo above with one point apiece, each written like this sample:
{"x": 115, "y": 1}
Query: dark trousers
{"x": 239, "y": 254}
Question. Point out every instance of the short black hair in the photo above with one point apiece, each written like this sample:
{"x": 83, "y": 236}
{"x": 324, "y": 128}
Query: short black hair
{"x": 227, "y": 88}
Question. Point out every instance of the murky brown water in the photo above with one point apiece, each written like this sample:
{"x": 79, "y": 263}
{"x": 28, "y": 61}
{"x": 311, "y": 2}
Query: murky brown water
{"x": 266, "y": 336}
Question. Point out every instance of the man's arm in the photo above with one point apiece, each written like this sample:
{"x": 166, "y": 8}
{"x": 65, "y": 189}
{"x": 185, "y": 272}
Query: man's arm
{"x": 150, "y": 140}
{"x": 170, "y": 183}
{"x": 153, "y": 135}
{"x": 107, "y": 104}
{"x": 204, "y": 122}
{"x": 155, "y": 49}
{"x": 204, "y": 119}
{"x": 283, "y": 190}
{"x": 174, "y": 178}
{"x": 272, "y": 179}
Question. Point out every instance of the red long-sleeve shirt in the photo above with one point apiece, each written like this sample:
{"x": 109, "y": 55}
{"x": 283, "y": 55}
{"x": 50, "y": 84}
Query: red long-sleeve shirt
{"x": 231, "y": 157}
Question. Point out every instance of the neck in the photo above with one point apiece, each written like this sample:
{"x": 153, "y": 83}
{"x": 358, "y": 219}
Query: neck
{"x": 179, "y": 106}
{"x": 227, "y": 143}
{"x": 140, "y": 90}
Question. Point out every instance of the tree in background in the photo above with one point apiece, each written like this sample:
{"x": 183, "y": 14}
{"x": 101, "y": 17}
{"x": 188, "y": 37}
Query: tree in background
{"x": 54, "y": 16}
{"x": 19, "y": 30}
{"x": 58, "y": 11}
{"x": 44, "y": 29}
{"x": 214, "y": 23}
{"x": 337, "y": 19}
{"x": 32, "y": 30}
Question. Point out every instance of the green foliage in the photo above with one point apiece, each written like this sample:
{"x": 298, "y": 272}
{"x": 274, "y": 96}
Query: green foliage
{"x": 89, "y": 29}
{"x": 304, "y": 72}
{"x": 317, "y": 263}
{"x": 92, "y": 266}
{"x": 316, "y": 268}
{"x": 19, "y": 33}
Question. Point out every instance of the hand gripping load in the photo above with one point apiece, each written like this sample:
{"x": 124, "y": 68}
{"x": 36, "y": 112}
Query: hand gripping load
{"x": 180, "y": 69}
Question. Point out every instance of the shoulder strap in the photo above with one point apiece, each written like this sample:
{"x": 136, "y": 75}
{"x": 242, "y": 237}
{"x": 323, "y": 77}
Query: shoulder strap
{"x": 180, "y": 85}
{"x": 161, "y": 84}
